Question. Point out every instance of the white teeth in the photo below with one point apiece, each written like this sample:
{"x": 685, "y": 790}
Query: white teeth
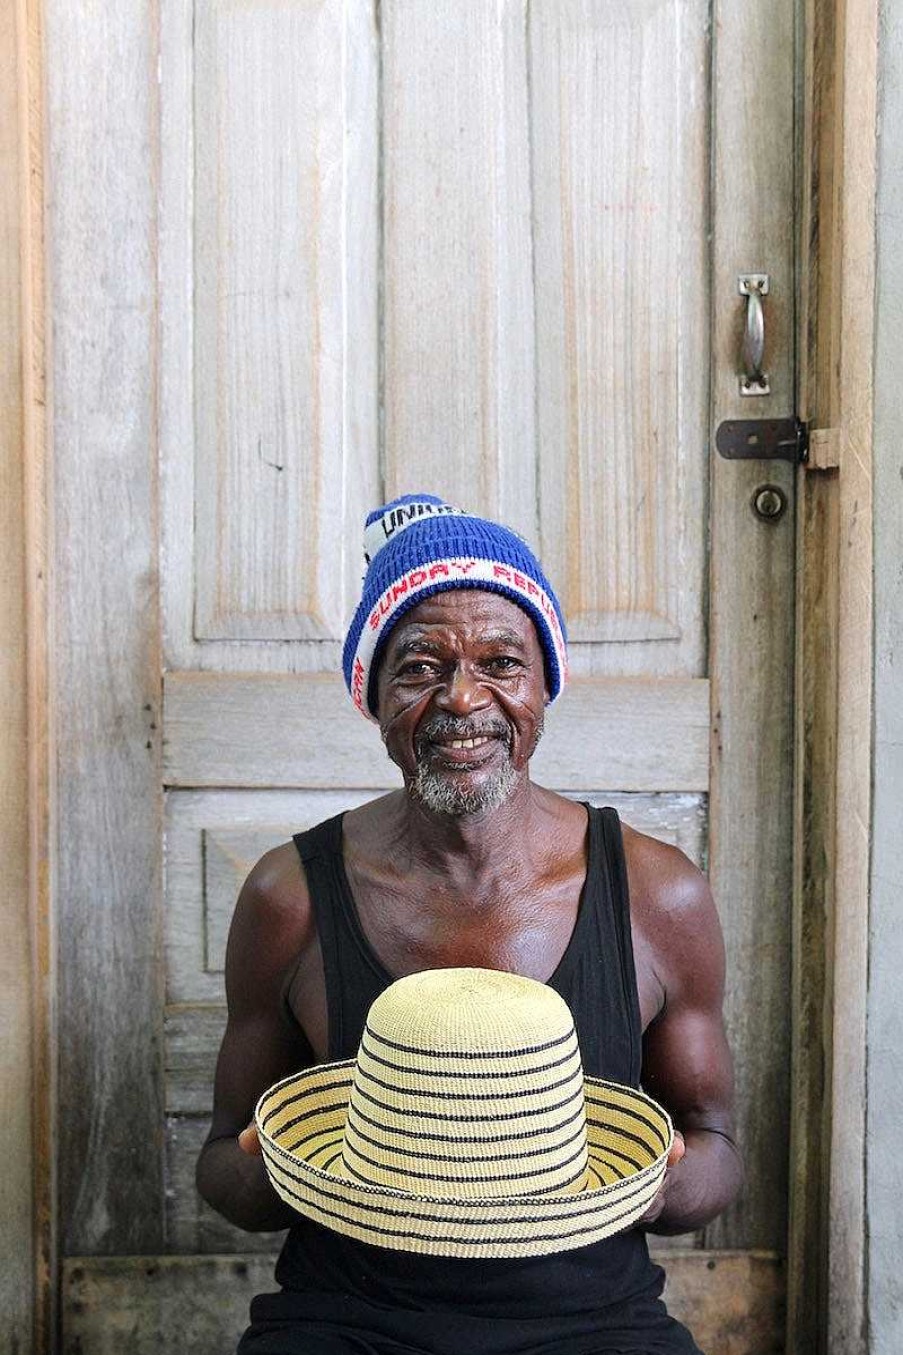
{"x": 469, "y": 743}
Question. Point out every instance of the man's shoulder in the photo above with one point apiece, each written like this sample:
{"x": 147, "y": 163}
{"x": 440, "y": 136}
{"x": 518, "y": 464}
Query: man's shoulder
{"x": 275, "y": 895}
{"x": 277, "y": 879}
{"x": 273, "y": 908}
{"x": 665, "y": 873}
{"x": 670, "y": 898}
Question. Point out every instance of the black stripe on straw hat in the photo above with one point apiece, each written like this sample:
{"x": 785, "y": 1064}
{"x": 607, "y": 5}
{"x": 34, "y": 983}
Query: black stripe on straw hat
{"x": 398, "y": 1159}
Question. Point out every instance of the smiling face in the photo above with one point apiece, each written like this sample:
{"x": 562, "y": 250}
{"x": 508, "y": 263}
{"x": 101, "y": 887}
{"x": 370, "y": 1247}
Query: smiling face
{"x": 461, "y": 696}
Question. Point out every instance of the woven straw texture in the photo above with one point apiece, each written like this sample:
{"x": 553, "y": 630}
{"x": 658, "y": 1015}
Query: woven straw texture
{"x": 465, "y": 1127}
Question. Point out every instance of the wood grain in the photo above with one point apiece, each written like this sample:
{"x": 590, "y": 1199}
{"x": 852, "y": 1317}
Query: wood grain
{"x": 268, "y": 335}
{"x": 884, "y": 1169}
{"x": 814, "y": 832}
{"x": 752, "y": 594}
{"x": 191, "y": 1225}
{"x": 274, "y": 730}
{"x": 17, "y": 1000}
{"x": 848, "y": 977}
{"x": 101, "y": 74}
{"x": 621, "y": 314}
{"x": 733, "y": 1302}
{"x": 164, "y": 1305}
{"x": 815, "y": 801}
{"x": 541, "y": 375}
{"x": 268, "y": 213}
{"x": 31, "y": 80}
{"x": 458, "y": 361}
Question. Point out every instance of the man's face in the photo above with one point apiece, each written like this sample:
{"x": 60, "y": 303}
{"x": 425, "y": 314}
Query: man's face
{"x": 461, "y": 693}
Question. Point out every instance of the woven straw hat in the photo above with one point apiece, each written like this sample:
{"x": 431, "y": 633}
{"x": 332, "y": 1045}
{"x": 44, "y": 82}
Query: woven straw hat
{"x": 465, "y": 1127}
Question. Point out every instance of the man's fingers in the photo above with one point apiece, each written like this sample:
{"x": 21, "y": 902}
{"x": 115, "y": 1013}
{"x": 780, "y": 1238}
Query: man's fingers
{"x": 675, "y": 1153}
{"x": 678, "y": 1148}
{"x": 249, "y": 1142}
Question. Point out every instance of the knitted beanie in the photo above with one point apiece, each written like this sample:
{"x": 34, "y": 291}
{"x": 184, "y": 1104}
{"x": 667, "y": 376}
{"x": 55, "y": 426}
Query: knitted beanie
{"x": 416, "y": 546}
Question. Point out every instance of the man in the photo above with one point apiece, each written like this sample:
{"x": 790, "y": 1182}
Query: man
{"x": 455, "y": 650}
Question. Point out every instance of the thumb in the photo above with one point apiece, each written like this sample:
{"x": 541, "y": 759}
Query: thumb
{"x": 249, "y": 1142}
{"x": 677, "y": 1150}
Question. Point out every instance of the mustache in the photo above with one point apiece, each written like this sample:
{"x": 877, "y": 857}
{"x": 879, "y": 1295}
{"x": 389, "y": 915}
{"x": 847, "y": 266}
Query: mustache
{"x": 470, "y": 727}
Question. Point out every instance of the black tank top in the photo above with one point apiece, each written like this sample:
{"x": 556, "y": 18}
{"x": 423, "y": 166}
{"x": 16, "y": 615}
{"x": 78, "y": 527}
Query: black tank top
{"x": 600, "y": 1298}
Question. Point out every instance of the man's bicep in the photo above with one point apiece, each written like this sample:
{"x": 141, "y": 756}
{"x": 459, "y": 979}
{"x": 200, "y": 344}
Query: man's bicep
{"x": 687, "y": 1066}
{"x": 686, "y": 1059}
{"x": 259, "y": 1045}
{"x": 257, "y": 1050}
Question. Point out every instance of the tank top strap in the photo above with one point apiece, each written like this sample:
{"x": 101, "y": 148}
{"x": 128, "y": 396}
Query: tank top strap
{"x": 616, "y": 861}
{"x": 353, "y": 978}
{"x": 596, "y": 976}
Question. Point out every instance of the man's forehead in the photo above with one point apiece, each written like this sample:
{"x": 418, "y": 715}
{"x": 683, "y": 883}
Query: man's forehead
{"x": 495, "y": 617}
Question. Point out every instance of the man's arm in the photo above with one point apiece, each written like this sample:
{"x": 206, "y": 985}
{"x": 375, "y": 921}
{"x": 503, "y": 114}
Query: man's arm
{"x": 269, "y": 928}
{"x": 686, "y": 1061}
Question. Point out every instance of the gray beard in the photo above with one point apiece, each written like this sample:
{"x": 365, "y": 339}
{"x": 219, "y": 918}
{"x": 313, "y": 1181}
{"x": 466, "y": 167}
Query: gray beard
{"x": 440, "y": 795}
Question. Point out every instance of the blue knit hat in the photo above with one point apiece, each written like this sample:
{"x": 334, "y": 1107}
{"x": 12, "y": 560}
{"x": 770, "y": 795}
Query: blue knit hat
{"x": 418, "y": 545}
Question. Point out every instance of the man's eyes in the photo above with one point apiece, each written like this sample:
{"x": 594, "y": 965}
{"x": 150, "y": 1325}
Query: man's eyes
{"x": 496, "y": 664}
{"x": 417, "y": 668}
{"x": 502, "y": 663}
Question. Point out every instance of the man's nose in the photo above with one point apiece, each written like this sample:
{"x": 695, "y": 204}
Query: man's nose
{"x": 462, "y": 692}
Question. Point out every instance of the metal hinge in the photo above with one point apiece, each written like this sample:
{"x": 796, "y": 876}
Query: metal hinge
{"x": 763, "y": 440}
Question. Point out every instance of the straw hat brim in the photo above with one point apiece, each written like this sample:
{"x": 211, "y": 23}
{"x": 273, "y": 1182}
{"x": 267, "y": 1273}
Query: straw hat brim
{"x": 301, "y": 1124}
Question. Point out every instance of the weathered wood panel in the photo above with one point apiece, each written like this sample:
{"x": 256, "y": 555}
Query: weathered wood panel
{"x": 269, "y": 157}
{"x": 619, "y": 114}
{"x": 818, "y": 557}
{"x": 848, "y": 1260}
{"x": 43, "y": 1285}
{"x": 814, "y": 831}
{"x": 458, "y": 363}
{"x": 101, "y": 77}
{"x": 815, "y": 679}
{"x": 884, "y": 1169}
{"x": 275, "y": 730}
{"x": 532, "y": 369}
{"x": 165, "y": 1305}
{"x": 17, "y": 1000}
{"x": 752, "y": 596}
{"x": 191, "y": 1225}
{"x": 268, "y": 374}
{"x": 733, "y": 1302}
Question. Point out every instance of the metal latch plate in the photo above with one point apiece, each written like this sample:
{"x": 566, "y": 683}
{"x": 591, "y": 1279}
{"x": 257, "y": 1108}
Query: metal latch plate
{"x": 762, "y": 440}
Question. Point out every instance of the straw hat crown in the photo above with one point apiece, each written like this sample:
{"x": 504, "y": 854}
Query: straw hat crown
{"x": 468, "y": 1083}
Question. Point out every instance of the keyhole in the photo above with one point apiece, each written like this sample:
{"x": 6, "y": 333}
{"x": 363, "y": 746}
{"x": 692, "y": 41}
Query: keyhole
{"x": 769, "y": 503}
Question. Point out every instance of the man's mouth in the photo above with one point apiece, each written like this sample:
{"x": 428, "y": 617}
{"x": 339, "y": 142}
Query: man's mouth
{"x": 457, "y": 747}
{"x": 470, "y": 752}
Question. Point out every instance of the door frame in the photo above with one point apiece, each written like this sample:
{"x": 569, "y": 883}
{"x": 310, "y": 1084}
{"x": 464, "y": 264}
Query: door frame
{"x": 28, "y": 1246}
{"x": 827, "y": 1251}
{"x": 833, "y": 684}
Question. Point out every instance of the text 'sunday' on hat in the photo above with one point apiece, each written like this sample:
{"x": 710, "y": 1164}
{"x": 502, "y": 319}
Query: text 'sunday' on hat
{"x": 465, "y": 1127}
{"x": 418, "y": 545}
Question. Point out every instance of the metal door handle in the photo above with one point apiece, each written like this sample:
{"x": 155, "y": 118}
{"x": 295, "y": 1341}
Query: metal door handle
{"x": 753, "y": 380}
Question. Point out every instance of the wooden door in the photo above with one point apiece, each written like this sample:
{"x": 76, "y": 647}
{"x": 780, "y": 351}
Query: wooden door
{"x": 486, "y": 250}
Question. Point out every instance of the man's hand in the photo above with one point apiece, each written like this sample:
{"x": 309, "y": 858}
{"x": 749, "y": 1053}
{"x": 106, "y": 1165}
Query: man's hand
{"x": 677, "y": 1150}
{"x": 249, "y": 1141}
